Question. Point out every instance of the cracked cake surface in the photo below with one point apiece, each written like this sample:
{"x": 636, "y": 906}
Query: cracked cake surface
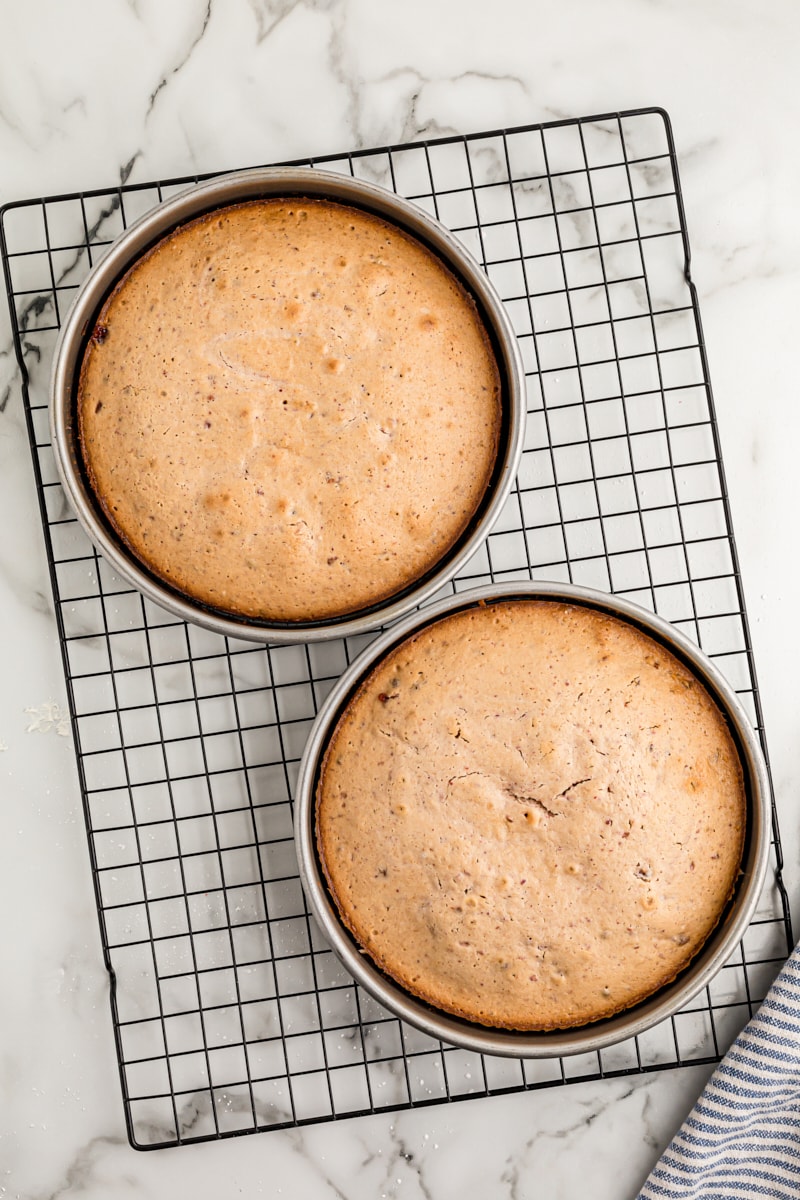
{"x": 289, "y": 409}
{"x": 531, "y": 814}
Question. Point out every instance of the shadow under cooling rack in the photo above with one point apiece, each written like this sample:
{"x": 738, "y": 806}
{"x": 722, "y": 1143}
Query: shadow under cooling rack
{"x": 231, "y": 1014}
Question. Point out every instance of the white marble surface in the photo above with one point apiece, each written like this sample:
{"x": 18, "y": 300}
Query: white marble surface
{"x": 91, "y": 93}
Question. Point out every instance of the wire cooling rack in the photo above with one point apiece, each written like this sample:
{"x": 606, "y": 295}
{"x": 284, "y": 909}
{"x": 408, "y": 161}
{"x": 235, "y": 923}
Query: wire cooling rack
{"x": 230, "y": 1013}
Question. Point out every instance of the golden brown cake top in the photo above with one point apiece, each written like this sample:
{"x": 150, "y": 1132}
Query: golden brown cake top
{"x": 289, "y": 409}
{"x": 531, "y": 815}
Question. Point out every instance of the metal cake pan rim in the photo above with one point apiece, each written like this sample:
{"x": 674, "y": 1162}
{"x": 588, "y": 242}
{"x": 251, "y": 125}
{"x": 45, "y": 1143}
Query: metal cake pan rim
{"x": 578, "y": 1039}
{"x": 239, "y": 186}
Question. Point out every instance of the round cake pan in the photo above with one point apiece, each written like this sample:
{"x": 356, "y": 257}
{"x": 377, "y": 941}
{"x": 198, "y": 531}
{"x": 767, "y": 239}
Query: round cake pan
{"x": 204, "y": 198}
{"x": 626, "y": 1024}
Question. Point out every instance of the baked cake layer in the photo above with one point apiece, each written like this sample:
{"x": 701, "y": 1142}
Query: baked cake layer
{"x": 289, "y": 409}
{"x": 531, "y": 815}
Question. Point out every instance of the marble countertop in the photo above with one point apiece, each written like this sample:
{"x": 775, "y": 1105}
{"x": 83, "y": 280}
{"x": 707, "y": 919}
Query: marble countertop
{"x": 92, "y": 94}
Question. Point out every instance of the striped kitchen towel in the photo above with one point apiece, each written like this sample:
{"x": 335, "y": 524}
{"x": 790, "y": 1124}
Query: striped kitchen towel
{"x": 742, "y": 1138}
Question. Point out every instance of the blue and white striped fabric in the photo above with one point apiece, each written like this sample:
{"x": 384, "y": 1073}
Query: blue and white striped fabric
{"x": 742, "y": 1138}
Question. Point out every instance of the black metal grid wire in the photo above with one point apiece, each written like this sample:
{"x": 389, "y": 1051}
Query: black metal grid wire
{"x": 230, "y": 1013}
